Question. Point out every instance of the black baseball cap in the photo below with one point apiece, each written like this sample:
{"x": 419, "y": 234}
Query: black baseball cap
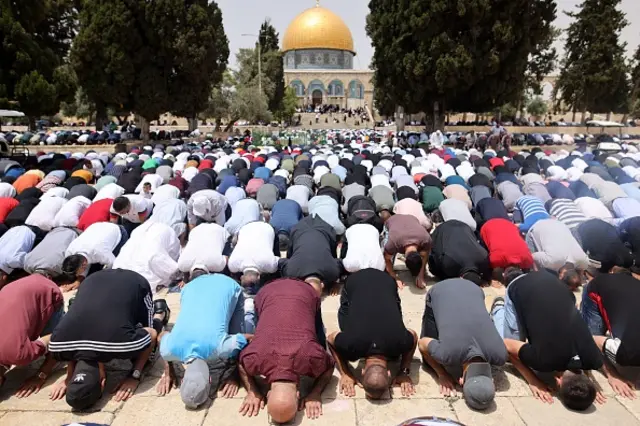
{"x": 85, "y": 389}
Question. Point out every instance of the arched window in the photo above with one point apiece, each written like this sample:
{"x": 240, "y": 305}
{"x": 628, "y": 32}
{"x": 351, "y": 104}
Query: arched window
{"x": 316, "y": 85}
{"x": 298, "y": 86}
{"x": 356, "y": 90}
{"x": 336, "y": 88}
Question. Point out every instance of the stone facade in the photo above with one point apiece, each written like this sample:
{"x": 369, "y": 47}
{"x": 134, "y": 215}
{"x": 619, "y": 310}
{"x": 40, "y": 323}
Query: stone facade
{"x": 318, "y": 59}
{"x": 346, "y": 88}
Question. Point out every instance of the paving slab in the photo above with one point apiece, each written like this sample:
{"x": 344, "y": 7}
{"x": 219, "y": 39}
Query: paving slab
{"x": 159, "y": 411}
{"x": 537, "y": 413}
{"x": 393, "y": 412}
{"x": 501, "y": 413}
{"x": 19, "y": 418}
{"x": 41, "y": 401}
{"x": 632, "y": 405}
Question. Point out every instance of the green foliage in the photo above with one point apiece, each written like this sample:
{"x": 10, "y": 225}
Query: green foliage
{"x": 593, "y": 75}
{"x": 249, "y": 104}
{"x": 537, "y": 106}
{"x": 289, "y": 104}
{"x": 150, "y": 57}
{"x": 508, "y": 111}
{"x": 467, "y": 55}
{"x": 35, "y": 37}
{"x": 80, "y": 107}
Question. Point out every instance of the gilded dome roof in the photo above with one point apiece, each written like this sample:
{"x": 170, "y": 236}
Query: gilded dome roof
{"x": 317, "y": 28}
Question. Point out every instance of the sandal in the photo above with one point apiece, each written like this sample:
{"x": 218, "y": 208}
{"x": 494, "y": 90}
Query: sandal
{"x": 160, "y": 307}
{"x": 498, "y": 302}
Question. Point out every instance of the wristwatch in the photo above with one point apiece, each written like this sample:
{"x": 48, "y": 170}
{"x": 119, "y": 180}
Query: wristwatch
{"x": 136, "y": 374}
{"x": 405, "y": 371}
{"x": 42, "y": 375}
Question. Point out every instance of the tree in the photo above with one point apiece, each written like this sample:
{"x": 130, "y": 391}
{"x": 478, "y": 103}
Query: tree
{"x": 34, "y": 40}
{"x": 593, "y": 75}
{"x": 220, "y": 99}
{"x": 634, "y": 95}
{"x": 462, "y": 56}
{"x": 537, "y": 106}
{"x": 150, "y": 57}
{"x": 248, "y": 103}
{"x": 289, "y": 105}
{"x": 272, "y": 63}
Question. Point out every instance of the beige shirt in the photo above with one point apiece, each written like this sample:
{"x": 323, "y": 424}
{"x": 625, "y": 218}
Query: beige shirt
{"x": 458, "y": 192}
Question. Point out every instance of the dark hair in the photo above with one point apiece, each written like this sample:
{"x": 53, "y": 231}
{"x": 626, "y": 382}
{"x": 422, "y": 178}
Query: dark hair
{"x": 414, "y": 263}
{"x": 436, "y": 216}
{"x": 570, "y": 276}
{"x": 121, "y": 203}
{"x": 197, "y": 273}
{"x": 375, "y": 381}
{"x": 70, "y": 267}
{"x": 498, "y": 275}
{"x": 474, "y": 277}
{"x": 146, "y": 183}
{"x": 511, "y": 273}
{"x": 283, "y": 242}
{"x": 577, "y": 392}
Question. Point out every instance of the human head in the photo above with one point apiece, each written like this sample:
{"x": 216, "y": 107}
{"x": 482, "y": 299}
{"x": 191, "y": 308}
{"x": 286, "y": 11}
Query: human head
{"x": 570, "y": 276}
{"x": 577, "y": 391}
{"x": 316, "y": 283}
{"x": 283, "y": 241}
{"x": 497, "y": 274}
{"x": 375, "y": 380}
{"x": 196, "y": 384}
{"x": 282, "y": 401}
{"x": 478, "y": 387}
{"x": 385, "y": 215}
{"x": 250, "y": 277}
{"x": 413, "y": 260}
{"x": 146, "y": 187}
{"x": 74, "y": 267}
{"x": 474, "y": 277}
{"x": 121, "y": 205}
{"x": 86, "y": 385}
{"x": 197, "y": 271}
{"x": 511, "y": 273}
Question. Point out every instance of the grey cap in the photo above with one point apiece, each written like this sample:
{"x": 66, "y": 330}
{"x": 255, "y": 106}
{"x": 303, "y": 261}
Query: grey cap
{"x": 478, "y": 389}
{"x": 195, "y": 386}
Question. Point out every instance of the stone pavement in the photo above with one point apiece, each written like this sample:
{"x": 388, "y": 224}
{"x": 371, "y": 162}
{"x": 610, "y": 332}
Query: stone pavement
{"x": 514, "y": 405}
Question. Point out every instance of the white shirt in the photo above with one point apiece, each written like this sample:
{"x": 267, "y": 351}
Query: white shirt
{"x": 138, "y": 205}
{"x": 57, "y": 191}
{"x": 173, "y": 213}
{"x": 69, "y": 214}
{"x": 43, "y": 215}
{"x": 592, "y": 208}
{"x": 244, "y": 212}
{"x": 208, "y": 205}
{"x": 152, "y": 251}
{"x": 164, "y": 193}
{"x": 153, "y": 179}
{"x": 254, "y": 249}
{"x": 111, "y": 190}
{"x": 205, "y": 246}
{"x": 14, "y": 246}
{"x": 97, "y": 243}
{"x": 363, "y": 250}
{"x": 300, "y": 194}
{"x": 7, "y": 190}
{"x": 380, "y": 180}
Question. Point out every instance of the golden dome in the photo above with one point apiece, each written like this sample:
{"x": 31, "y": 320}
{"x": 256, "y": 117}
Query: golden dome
{"x": 317, "y": 28}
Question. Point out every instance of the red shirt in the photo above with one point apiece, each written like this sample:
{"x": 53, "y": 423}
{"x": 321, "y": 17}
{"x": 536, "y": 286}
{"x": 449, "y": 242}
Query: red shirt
{"x": 26, "y": 306}
{"x": 96, "y": 212}
{"x": 6, "y": 205}
{"x": 285, "y": 345}
{"x": 506, "y": 246}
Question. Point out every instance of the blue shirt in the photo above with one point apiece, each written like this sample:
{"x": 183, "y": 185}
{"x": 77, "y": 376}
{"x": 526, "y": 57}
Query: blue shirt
{"x": 202, "y": 329}
{"x": 285, "y": 214}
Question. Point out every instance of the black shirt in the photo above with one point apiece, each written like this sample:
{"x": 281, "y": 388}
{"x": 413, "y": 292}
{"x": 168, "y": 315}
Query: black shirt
{"x": 600, "y": 241}
{"x": 480, "y": 179}
{"x": 456, "y": 250}
{"x": 21, "y": 212}
{"x": 370, "y": 317}
{"x": 617, "y": 296}
{"x": 104, "y": 322}
{"x": 548, "y": 318}
{"x": 312, "y": 251}
{"x": 491, "y": 208}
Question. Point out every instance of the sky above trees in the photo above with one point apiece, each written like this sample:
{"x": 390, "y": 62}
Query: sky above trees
{"x": 243, "y": 16}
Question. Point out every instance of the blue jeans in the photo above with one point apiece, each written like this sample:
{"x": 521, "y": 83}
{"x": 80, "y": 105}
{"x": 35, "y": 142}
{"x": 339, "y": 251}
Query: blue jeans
{"x": 591, "y": 314}
{"x": 505, "y": 318}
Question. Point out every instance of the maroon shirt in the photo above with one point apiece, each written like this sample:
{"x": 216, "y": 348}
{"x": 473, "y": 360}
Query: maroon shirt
{"x": 285, "y": 345}
{"x": 26, "y": 306}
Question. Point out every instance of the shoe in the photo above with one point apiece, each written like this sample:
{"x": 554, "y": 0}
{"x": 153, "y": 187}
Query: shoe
{"x": 499, "y": 301}
{"x": 160, "y": 307}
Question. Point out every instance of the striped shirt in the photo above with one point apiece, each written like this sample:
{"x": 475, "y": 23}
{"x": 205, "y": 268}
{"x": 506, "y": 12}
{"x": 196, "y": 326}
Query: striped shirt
{"x": 530, "y": 206}
{"x": 566, "y": 211}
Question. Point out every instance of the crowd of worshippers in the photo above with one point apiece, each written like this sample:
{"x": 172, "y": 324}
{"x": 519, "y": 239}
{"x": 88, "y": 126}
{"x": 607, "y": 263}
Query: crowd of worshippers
{"x": 213, "y": 223}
